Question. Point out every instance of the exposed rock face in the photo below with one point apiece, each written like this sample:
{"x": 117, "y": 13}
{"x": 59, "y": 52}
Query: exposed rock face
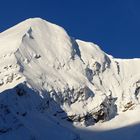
{"x": 104, "y": 112}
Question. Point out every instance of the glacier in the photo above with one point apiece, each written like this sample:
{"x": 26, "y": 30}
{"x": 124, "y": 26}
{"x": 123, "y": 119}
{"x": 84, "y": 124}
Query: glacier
{"x": 54, "y": 86}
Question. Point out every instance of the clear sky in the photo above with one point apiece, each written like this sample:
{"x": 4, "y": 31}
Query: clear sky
{"x": 113, "y": 24}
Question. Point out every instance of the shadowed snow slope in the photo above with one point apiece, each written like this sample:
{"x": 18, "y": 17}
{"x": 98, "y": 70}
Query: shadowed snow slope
{"x": 56, "y": 87}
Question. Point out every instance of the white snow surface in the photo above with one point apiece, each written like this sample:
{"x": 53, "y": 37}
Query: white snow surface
{"x": 56, "y": 87}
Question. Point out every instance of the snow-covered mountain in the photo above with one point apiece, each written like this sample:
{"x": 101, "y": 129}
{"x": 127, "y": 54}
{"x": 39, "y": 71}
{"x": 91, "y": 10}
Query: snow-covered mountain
{"x": 56, "y": 87}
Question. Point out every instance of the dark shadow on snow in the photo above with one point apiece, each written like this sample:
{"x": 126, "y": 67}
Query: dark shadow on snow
{"x": 22, "y": 95}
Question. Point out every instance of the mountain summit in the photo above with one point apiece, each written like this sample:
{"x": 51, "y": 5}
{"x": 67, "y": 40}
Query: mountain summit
{"x": 56, "y": 87}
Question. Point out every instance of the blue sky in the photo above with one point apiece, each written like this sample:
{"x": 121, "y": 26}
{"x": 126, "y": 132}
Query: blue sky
{"x": 113, "y": 24}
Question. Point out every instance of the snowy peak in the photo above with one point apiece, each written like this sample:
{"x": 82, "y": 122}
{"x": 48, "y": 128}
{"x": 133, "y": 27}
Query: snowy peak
{"x": 71, "y": 80}
{"x": 40, "y": 31}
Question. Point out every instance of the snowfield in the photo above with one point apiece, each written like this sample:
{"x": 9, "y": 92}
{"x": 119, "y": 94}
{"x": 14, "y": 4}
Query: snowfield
{"x": 55, "y": 87}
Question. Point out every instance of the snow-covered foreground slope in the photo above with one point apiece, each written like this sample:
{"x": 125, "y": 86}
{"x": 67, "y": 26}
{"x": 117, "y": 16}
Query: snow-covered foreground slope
{"x": 55, "y": 87}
